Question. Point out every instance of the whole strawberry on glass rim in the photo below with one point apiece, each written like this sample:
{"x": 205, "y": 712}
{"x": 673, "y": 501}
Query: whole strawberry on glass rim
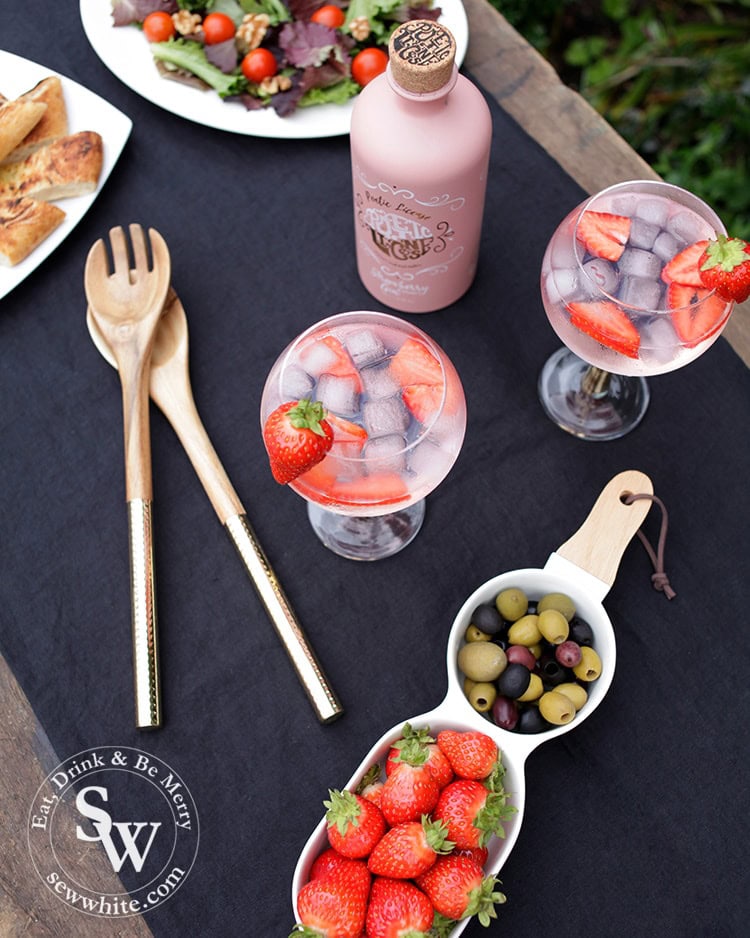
{"x": 725, "y": 267}
{"x": 297, "y": 437}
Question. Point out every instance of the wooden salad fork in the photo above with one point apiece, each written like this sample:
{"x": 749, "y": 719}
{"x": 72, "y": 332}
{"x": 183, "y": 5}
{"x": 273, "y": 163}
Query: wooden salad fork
{"x": 171, "y": 391}
{"x": 126, "y": 303}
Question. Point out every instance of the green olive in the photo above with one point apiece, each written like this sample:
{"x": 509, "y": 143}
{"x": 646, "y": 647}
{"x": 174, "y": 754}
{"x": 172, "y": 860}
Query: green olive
{"x": 553, "y": 625}
{"x": 468, "y": 684}
{"x": 482, "y": 696}
{"x": 559, "y": 601}
{"x": 525, "y": 631}
{"x": 512, "y": 604}
{"x": 536, "y": 650}
{"x": 556, "y": 708}
{"x": 590, "y": 666}
{"x": 482, "y": 661}
{"x": 534, "y": 691}
{"x": 473, "y": 634}
{"x": 575, "y": 693}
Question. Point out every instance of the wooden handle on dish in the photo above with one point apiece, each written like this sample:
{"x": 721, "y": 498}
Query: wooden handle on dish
{"x": 598, "y": 545}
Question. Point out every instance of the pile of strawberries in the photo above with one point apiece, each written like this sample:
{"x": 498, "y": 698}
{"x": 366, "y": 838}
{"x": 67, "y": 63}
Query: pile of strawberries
{"x": 407, "y": 852}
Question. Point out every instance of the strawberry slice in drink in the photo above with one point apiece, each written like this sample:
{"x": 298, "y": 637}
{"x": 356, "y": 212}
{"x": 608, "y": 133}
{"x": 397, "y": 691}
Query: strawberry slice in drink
{"x": 348, "y": 437}
{"x": 608, "y": 324}
{"x": 684, "y": 267}
{"x": 423, "y": 400}
{"x": 414, "y": 363}
{"x": 327, "y": 355}
{"x": 697, "y": 313}
{"x": 604, "y": 234}
{"x": 380, "y": 488}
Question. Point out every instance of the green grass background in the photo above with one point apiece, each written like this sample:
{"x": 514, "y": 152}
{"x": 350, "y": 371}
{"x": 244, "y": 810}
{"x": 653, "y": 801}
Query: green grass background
{"x": 672, "y": 77}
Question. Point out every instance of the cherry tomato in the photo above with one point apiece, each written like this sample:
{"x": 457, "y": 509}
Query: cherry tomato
{"x": 329, "y": 15}
{"x": 158, "y": 26}
{"x": 259, "y": 64}
{"x": 217, "y": 27}
{"x": 368, "y": 64}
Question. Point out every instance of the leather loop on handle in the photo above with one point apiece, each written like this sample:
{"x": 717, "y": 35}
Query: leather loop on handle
{"x": 309, "y": 671}
{"x": 143, "y": 616}
{"x": 598, "y": 545}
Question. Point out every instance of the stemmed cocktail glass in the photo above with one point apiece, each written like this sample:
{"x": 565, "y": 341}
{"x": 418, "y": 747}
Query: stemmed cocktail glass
{"x": 396, "y": 406}
{"x": 621, "y": 287}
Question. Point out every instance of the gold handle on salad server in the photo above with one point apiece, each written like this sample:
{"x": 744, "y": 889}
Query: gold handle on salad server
{"x": 308, "y": 669}
{"x": 143, "y": 616}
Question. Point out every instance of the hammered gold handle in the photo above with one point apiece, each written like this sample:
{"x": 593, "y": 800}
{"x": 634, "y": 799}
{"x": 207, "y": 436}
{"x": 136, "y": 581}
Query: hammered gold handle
{"x": 143, "y": 616}
{"x": 309, "y": 671}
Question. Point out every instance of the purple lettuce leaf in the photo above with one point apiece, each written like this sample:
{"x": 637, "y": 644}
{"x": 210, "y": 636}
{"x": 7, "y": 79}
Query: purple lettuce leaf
{"x": 311, "y": 44}
{"x": 223, "y": 55}
{"x": 125, "y": 12}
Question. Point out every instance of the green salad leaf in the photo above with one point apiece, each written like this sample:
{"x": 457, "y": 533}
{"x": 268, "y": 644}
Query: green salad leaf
{"x": 333, "y": 94}
{"x": 189, "y": 55}
{"x": 275, "y": 9}
{"x": 373, "y": 11}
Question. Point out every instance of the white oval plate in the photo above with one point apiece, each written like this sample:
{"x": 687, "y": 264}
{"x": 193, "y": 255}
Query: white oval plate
{"x": 125, "y": 52}
{"x": 86, "y": 111}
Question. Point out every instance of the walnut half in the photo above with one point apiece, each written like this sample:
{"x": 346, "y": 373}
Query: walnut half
{"x": 252, "y": 30}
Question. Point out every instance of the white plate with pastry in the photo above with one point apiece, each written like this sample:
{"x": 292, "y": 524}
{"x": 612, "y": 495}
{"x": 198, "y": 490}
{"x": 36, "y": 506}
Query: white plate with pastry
{"x": 48, "y": 121}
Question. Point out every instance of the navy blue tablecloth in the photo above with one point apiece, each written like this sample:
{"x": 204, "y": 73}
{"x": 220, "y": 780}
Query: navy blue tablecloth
{"x": 636, "y": 822}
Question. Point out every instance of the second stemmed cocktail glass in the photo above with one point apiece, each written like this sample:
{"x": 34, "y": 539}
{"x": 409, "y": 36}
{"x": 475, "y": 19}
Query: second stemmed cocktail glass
{"x": 396, "y": 406}
{"x": 621, "y": 287}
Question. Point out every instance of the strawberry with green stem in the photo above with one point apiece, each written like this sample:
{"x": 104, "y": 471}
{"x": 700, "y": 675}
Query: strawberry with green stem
{"x": 457, "y": 888}
{"x": 408, "y": 849}
{"x": 410, "y": 742}
{"x": 410, "y": 790}
{"x": 474, "y": 811}
{"x": 297, "y": 437}
{"x": 725, "y": 267}
{"x": 355, "y": 824}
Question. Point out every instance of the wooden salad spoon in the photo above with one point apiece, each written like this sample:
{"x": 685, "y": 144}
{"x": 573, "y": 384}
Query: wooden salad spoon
{"x": 171, "y": 391}
{"x": 126, "y": 304}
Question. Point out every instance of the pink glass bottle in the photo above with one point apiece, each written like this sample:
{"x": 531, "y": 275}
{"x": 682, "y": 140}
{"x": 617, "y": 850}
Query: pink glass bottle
{"x": 420, "y": 144}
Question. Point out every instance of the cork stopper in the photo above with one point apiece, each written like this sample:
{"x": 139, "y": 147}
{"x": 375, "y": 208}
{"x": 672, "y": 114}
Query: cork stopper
{"x": 422, "y": 54}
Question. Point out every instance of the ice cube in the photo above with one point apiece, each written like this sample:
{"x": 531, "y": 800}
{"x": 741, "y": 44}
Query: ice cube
{"x": 562, "y": 285}
{"x": 624, "y": 205}
{"x": 654, "y": 211}
{"x": 296, "y": 384}
{"x": 643, "y": 234}
{"x": 602, "y": 274}
{"x": 385, "y": 416}
{"x": 317, "y": 358}
{"x": 364, "y": 346}
{"x": 379, "y": 382}
{"x": 562, "y": 253}
{"x": 659, "y": 342}
{"x": 429, "y": 460}
{"x": 666, "y": 246}
{"x": 687, "y": 226}
{"x": 339, "y": 394}
{"x": 637, "y": 263}
{"x": 388, "y": 451}
{"x": 643, "y": 294}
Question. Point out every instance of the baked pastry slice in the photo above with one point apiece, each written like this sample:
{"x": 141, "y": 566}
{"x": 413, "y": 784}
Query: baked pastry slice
{"x": 24, "y": 224}
{"x": 52, "y": 124}
{"x": 17, "y": 119}
{"x": 64, "y": 168}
